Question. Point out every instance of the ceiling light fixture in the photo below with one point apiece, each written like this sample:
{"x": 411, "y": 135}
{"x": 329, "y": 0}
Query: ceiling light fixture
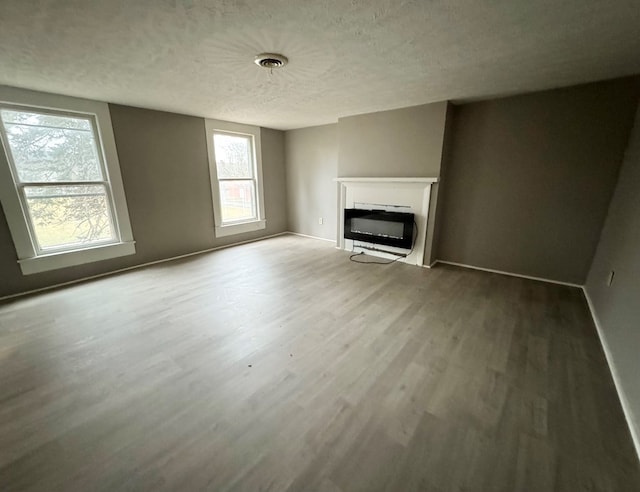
{"x": 270, "y": 60}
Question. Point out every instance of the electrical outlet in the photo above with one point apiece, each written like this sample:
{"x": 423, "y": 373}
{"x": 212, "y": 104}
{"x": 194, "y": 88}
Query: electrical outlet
{"x": 320, "y": 221}
{"x": 610, "y": 278}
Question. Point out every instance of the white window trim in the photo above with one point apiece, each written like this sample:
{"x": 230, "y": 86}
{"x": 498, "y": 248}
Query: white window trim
{"x": 221, "y": 229}
{"x": 28, "y": 258}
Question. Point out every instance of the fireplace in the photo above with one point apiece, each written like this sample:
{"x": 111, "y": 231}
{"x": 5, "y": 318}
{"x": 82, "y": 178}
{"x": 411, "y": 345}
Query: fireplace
{"x": 379, "y": 227}
{"x": 409, "y": 195}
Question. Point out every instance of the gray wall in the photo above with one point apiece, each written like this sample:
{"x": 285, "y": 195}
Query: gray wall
{"x": 617, "y": 307}
{"x": 406, "y": 142}
{"x": 312, "y": 164}
{"x": 403, "y": 142}
{"x": 530, "y": 177}
{"x": 163, "y": 159}
{"x": 438, "y": 190}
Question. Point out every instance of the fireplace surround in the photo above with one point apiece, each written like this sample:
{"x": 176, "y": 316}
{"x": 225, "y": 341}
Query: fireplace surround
{"x": 410, "y": 195}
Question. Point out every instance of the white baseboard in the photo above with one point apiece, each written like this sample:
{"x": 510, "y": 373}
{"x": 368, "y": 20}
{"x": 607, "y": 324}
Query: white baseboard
{"x": 626, "y": 408}
{"x": 134, "y": 267}
{"x": 501, "y": 272}
{"x": 312, "y": 237}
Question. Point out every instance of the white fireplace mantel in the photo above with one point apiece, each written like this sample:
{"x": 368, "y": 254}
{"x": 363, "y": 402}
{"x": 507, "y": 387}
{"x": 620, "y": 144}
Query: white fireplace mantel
{"x": 411, "y": 192}
{"x": 386, "y": 180}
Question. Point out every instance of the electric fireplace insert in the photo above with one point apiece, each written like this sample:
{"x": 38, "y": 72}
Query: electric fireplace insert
{"x": 379, "y": 227}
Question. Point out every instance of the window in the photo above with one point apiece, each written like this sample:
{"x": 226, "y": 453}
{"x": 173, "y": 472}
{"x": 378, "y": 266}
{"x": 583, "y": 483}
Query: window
{"x": 235, "y": 166}
{"x": 62, "y": 196}
{"x": 236, "y": 177}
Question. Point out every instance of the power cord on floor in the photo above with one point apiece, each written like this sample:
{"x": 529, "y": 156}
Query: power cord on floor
{"x": 373, "y": 262}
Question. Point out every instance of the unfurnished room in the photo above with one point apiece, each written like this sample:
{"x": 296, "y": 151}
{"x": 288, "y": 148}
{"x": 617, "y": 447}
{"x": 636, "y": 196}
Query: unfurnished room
{"x": 319, "y": 245}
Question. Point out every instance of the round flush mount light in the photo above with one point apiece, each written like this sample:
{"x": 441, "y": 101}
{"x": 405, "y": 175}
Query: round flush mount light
{"x": 270, "y": 60}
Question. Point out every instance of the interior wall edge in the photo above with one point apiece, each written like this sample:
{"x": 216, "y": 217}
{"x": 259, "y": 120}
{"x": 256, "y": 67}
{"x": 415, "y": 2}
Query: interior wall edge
{"x": 439, "y": 210}
{"x": 624, "y": 402}
{"x": 511, "y": 274}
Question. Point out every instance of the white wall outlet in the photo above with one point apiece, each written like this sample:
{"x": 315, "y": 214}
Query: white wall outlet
{"x": 320, "y": 221}
{"x": 610, "y": 278}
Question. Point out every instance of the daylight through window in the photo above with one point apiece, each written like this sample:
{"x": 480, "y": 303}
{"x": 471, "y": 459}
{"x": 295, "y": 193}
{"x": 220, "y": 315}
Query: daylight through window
{"x": 235, "y": 169}
{"x": 236, "y": 176}
{"x": 60, "y": 178}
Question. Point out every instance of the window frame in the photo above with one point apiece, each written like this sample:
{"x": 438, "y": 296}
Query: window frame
{"x": 32, "y": 258}
{"x": 239, "y": 226}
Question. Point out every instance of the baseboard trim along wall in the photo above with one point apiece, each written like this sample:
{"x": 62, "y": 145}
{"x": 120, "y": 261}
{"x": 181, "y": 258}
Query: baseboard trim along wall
{"x": 501, "y": 272}
{"x": 430, "y": 265}
{"x": 134, "y": 267}
{"x": 626, "y": 408}
{"x": 312, "y": 237}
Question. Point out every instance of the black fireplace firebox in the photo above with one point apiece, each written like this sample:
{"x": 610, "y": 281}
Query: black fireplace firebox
{"x": 379, "y": 227}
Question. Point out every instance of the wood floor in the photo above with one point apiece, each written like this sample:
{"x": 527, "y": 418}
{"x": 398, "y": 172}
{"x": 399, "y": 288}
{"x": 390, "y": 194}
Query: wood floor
{"x": 282, "y": 366}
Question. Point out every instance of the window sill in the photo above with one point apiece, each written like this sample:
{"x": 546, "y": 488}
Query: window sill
{"x": 231, "y": 229}
{"x": 65, "y": 259}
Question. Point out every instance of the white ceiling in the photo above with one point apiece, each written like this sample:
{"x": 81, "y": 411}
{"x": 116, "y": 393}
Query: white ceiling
{"x": 346, "y": 56}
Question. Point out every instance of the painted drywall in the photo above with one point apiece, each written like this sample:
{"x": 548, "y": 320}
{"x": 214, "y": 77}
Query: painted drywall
{"x": 438, "y": 190}
{"x": 530, "y": 178}
{"x": 163, "y": 160}
{"x": 616, "y": 307}
{"x": 312, "y": 164}
{"x": 275, "y": 184}
{"x": 405, "y": 142}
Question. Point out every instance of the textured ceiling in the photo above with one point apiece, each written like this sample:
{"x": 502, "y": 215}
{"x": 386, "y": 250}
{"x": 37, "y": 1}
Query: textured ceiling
{"x": 346, "y": 56}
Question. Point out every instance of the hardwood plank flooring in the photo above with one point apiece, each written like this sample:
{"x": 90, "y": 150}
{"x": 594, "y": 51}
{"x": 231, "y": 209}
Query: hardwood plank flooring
{"x": 281, "y": 366}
